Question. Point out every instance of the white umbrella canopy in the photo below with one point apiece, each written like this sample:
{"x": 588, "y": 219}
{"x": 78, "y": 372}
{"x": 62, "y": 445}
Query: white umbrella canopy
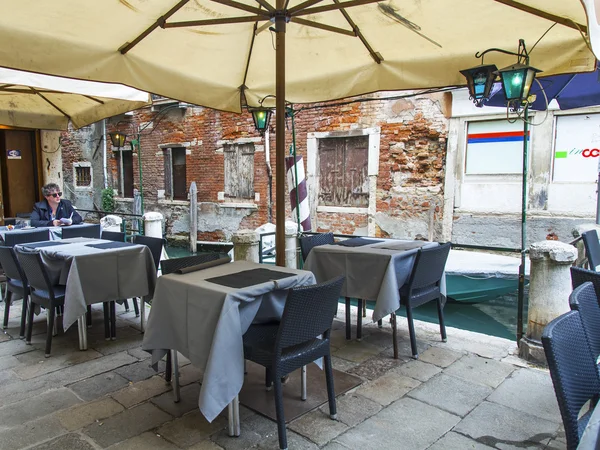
{"x": 46, "y": 102}
{"x": 222, "y": 53}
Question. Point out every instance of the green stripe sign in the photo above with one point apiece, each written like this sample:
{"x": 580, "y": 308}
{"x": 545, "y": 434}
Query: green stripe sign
{"x": 560, "y": 155}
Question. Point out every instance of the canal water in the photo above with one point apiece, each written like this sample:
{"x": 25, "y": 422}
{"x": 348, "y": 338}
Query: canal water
{"x": 497, "y": 317}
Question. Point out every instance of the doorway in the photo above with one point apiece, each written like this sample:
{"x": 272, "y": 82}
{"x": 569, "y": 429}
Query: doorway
{"x": 19, "y": 172}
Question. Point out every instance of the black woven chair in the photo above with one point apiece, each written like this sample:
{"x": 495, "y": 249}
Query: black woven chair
{"x": 423, "y": 286}
{"x": 294, "y": 342}
{"x": 116, "y": 236}
{"x": 23, "y": 237}
{"x": 584, "y": 300}
{"x": 308, "y": 242}
{"x": 42, "y": 292}
{"x": 84, "y": 230}
{"x": 156, "y": 246}
{"x": 580, "y": 275}
{"x": 169, "y": 266}
{"x": 16, "y": 283}
{"x": 592, "y": 248}
{"x": 573, "y": 370}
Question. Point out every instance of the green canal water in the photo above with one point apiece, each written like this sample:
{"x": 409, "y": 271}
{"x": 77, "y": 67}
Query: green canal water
{"x": 497, "y": 317}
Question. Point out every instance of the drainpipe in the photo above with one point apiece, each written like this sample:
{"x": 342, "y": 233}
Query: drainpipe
{"x": 104, "y": 149}
{"x": 270, "y": 174}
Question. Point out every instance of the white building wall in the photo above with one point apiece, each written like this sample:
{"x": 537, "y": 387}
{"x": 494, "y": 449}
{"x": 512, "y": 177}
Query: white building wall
{"x": 486, "y": 209}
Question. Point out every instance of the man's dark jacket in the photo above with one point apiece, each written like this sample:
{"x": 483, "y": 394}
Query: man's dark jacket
{"x": 40, "y": 217}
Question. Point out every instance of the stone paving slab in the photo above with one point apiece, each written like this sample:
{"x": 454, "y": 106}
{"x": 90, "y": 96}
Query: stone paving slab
{"x": 71, "y": 441}
{"x": 353, "y": 409}
{"x": 418, "y": 370}
{"x": 387, "y": 388}
{"x": 79, "y": 416}
{"x": 440, "y": 356}
{"x": 407, "y": 423}
{"x": 374, "y": 367}
{"x": 139, "y": 371}
{"x": 30, "y": 433}
{"x": 145, "y": 441}
{"x": 126, "y": 424}
{"x": 318, "y": 427}
{"x": 455, "y": 441}
{"x": 39, "y": 406}
{"x": 530, "y": 391}
{"x": 357, "y": 351}
{"x": 99, "y": 385}
{"x": 189, "y": 400}
{"x": 35, "y": 364}
{"x": 139, "y": 392}
{"x": 191, "y": 429}
{"x": 480, "y": 370}
{"x": 503, "y": 427}
{"x": 451, "y": 394}
{"x": 205, "y": 445}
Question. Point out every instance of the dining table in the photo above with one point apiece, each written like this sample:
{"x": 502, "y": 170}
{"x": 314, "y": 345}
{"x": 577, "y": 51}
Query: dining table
{"x": 55, "y": 232}
{"x": 375, "y": 270}
{"x": 203, "y": 315}
{"x": 95, "y": 271}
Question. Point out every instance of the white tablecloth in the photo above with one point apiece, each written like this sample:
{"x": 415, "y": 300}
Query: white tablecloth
{"x": 205, "y": 322}
{"x": 93, "y": 275}
{"x": 372, "y": 272}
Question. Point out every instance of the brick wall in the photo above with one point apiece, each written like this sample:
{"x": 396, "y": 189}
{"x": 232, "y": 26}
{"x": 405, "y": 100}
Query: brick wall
{"x": 409, "y": 183}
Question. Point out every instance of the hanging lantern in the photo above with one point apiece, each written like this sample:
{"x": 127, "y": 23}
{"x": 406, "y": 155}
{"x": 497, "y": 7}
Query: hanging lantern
{"x": 117, "y": 138}
{"x": 480, "y": 80}
{"x": 261, "y": 117}
{"x": 517, "y": 80}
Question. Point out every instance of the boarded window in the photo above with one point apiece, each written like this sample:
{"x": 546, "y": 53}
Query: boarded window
{"x": 83, "y": 176}
{"x": 239, "y": 170}
{"x": 343, "y": 172}
{"x": 175, "y": 173}
{"x": 127, "y": 187}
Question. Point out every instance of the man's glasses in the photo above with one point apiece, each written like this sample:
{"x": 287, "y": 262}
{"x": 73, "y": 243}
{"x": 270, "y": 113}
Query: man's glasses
{"x": 56, "y": 194}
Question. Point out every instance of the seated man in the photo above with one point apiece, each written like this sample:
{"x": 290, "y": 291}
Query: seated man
{"x": 49, "y": 212}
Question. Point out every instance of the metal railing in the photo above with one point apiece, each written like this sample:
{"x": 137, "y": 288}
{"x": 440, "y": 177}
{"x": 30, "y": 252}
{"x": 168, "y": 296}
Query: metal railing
{"x": 131, "y": 224}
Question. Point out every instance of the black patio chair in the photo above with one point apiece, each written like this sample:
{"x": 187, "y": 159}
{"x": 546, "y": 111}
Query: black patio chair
{"x": 573, "y": 370}
{"x": 169, "y": 266}
{"x": 156, "y": 246}
{"x": 423, "y": 286}
{"x": 580, "y": 275}
{"x": 302, "y": 336}
{"x": 592, "y": 248}
{"x": 585, "y": 300}
{"x": 16, "y": 284}
{"x": 116, "y": 236}
{"x": 42, "y": 292}
{"x": 23, "y": 237}
{"x": 83, "y": 230}
{"x": 313, "y": 240}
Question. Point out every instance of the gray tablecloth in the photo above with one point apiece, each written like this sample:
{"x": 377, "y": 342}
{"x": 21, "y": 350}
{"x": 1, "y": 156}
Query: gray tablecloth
{"x": 55, "y": 232}
{"x": 373, "y": 272}
{"x": 93, "y": 275}
{"x": 590, "y": 439}
{"x": 205, "y": 322}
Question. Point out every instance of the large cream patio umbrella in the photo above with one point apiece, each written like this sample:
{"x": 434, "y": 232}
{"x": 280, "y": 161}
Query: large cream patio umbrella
{"x": 32, "y": 100}
{"x": 224, "y": 53}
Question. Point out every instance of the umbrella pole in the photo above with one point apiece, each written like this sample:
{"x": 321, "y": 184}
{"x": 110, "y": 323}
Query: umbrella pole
{"x": 280, "y": 24}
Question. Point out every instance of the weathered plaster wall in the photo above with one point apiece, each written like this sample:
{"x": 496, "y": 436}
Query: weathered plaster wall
{"x": 52, "y": 161}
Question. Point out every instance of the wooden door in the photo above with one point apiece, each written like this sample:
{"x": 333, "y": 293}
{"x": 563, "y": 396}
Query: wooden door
{"x": 19, "y": 171}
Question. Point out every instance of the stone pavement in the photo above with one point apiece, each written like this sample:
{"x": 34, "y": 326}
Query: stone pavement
{"x": 468, "y": 393}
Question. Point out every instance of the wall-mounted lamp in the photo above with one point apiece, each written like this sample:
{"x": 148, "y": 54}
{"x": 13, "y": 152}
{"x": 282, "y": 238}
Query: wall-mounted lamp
{"x": 117, "y": 138}
{"x": 516, "y": 79}
{"x": 261, "y": 117}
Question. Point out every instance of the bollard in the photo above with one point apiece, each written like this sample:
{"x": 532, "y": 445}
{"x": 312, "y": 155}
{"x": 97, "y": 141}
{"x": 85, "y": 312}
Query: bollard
{"x": 291, "y": 245}
{"x": 549, "y": 290}
{"x": 245, "y": 245}
{"x": 153, "y": 222}
{"x": 110, "y": 222}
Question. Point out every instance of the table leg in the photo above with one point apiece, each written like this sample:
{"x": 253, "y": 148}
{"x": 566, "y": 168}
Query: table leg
{"x": 176, "y": 395}
{"x": 348, "y": 325}
{"x": 233, "y": 411}
{"x": 142, "y": 314}
{"x": 303, "y": 384}
{"x": 82, "y": 328}
{"x": 359, "y": 320}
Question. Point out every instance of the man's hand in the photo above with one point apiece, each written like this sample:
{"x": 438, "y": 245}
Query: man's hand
{"x": 56, "y": 223}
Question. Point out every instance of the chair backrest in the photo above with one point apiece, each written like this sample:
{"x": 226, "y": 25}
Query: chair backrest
{"x": 308, "y": 313}
{"x": 85, "y": 231}
{"x": 573, "y": 370}
{"x": 153, "y": 243}
{"x": 22, "y": 237}
{"x": 584, "y": 300}
{"x": 592, "y": 248}
{"x": 171, "y": 265}
{"x": 580, "y": 275}
{"x": 10, "y": 264}
{"x": 116, "y": 236}
{"x": 34, "y": 270}
{"x": 429, "y": 266}
{"x": 314, "y": 240}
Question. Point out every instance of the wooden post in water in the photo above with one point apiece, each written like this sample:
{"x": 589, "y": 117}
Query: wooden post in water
{"x": 193, "y": 217}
